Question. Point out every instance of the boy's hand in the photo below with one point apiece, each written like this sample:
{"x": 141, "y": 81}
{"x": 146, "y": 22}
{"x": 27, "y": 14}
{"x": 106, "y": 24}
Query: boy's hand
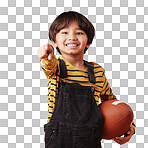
{"x": 46, "y": 51}
{"x": 126, "y": 138}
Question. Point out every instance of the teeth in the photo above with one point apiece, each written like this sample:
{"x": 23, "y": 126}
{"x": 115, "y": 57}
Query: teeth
{"x": 72, "y": 45}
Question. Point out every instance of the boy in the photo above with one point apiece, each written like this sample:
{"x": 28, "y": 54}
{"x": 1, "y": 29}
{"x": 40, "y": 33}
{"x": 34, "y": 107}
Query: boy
{"x": 74, "y": 86}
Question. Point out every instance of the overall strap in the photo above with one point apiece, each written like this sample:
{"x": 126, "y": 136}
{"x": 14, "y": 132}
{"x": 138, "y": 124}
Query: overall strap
{"x": 63, "y": 70}
{"x": 91, "y": 74}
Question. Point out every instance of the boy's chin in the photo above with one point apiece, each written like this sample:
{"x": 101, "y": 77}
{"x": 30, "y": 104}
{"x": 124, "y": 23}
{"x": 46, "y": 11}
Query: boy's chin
{"x": 72, "y": 53}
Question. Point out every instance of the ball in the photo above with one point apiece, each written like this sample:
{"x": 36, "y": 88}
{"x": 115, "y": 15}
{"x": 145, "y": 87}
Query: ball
{"x": 118, "y": 117}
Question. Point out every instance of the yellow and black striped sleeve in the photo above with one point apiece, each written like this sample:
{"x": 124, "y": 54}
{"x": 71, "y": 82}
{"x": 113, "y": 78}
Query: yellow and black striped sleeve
{"x": 49, "y": 67}
{"x": 106, "y": 93}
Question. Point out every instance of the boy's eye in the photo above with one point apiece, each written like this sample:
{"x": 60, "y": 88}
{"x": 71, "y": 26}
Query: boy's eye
{"x": 79, "y": 33}
{"x": 64, "y": 32}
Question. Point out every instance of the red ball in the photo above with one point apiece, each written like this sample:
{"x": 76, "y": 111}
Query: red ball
{"x": 118, "y": 117}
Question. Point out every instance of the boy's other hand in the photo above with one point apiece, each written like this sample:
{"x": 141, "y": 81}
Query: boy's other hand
{"x": 45, "y": 51}
{"x": 126, "y": 138}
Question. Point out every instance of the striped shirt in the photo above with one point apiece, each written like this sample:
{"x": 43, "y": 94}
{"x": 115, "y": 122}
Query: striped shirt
{"x": 102, "y": 92}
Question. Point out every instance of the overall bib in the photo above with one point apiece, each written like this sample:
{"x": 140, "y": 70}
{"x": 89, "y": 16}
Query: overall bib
{"x": 76, "y": 121}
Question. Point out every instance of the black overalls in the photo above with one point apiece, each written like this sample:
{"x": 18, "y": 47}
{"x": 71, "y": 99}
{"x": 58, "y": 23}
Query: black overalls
{"x": 76, "y": 121}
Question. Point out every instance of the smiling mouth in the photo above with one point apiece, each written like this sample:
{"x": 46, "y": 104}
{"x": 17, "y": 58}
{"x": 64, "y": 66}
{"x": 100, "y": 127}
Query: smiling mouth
{"x": 72, "y": 45}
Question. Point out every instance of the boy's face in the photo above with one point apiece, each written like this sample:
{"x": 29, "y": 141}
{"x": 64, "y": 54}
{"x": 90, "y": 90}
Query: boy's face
{"x": 71, "y": 40}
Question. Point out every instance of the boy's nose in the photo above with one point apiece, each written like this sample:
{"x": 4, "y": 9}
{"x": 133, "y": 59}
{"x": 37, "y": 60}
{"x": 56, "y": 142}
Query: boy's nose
{"x": 72, "y": 37}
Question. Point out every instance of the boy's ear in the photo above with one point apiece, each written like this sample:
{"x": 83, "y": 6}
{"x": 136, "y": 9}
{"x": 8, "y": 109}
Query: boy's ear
{"x": 54, "y": 44}
{"x": 87, "y": 46}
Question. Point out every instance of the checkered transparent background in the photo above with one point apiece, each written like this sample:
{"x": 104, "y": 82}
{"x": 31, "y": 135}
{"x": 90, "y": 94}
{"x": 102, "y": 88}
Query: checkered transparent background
{"x": 120, "y": 46}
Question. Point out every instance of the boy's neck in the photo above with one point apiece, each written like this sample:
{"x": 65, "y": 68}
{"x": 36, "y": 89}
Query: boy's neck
{"x": 76, "y": 61}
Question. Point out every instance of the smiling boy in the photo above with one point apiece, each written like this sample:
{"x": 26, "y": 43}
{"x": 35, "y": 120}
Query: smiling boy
{"x": 74, "y": 86}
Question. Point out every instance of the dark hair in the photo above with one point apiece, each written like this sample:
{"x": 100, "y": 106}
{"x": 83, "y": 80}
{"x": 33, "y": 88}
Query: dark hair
{"x": 65, "y": 18}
